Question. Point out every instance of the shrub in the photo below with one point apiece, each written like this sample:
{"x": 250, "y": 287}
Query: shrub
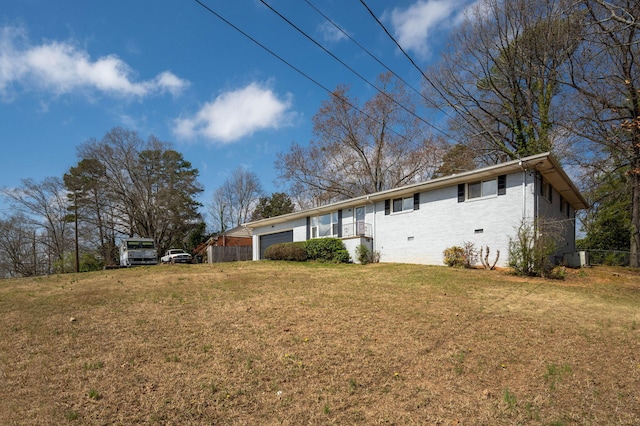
{"x": 327, "y": 250}
{"x": 558, "y": 273}
{"x": 295, "y": 251}
{"x": 471, "y": 254}
{"x": 454, "y": 257}
{"x": 366, "y": 256}
{"x": 530, "y": 250}
{"x": 363, "y": 253}
{"x": 342, "y": 256}
{"x": 484, "y": 251}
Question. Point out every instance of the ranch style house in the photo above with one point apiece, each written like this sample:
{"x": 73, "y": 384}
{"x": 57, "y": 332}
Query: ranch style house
{"x": 417, "y": 222}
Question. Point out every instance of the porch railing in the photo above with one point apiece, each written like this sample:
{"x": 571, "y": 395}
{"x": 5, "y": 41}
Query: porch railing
{"x": 357, "y": 229}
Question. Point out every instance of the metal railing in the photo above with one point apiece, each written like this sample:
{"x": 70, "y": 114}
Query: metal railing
{"x": 357, "y": 229}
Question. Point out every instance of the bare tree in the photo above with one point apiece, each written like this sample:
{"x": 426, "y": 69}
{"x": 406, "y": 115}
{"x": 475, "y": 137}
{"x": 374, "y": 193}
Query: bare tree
{"x": 45, "y": 205}
{"x": 499, "y": 81}
{"x": 622, "y": 12}
{"x": 360, "y": 150}
{"x": 234, "y": 201}
{"x": 20, "y": 247}
{"x": 606, "y": 79}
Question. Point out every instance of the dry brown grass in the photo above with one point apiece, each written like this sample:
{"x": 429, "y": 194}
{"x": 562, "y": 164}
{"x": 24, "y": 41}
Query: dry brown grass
{"x": 279, "y": 343}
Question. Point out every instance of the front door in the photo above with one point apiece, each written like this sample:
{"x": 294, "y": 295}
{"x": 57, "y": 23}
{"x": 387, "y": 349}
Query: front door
{"x": 359, "y": 221}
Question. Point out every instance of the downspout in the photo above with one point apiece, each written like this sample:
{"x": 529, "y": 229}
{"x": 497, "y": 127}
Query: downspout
{"x": 373, "y": 246}
{"x": 524, "y": 190}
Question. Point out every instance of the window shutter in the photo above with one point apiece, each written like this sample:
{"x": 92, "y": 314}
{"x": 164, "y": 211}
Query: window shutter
{"x": 387, "y": 207}
{"x": 308, "y": 227}
{"x": 339, "y": 224}
{"x": 461, "y": 193}
{"x": 416, "y": 201}
{"x": 502, "y": 184}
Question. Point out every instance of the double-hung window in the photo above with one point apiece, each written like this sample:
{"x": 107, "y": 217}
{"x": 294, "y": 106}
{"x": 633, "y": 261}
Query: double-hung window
{"x": 481, "y": 189}
{"x": 484, "y": 188}
{"x": 325, "y": 225}
{"x": 402, "y": 204}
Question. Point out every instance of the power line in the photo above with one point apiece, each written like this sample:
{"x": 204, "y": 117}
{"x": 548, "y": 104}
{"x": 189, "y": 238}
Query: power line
{"x": 427, "y": 79}
{"x": 288, "y": 21}
{"x": 363, "y": 48}
{"x": 298, "y": 70}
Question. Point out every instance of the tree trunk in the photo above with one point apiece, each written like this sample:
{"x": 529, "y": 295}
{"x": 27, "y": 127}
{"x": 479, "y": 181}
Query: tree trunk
{"x": 635, "y": 211}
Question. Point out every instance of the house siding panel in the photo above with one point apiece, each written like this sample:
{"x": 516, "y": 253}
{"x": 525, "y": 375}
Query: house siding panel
{"x": 420, "y": 236}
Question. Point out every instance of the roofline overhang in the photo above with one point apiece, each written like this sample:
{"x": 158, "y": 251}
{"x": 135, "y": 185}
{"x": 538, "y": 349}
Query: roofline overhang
{"x": 544, "y": 163}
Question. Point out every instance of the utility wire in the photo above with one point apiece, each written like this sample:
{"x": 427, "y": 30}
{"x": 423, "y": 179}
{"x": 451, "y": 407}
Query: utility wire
{"x": 371, "y": 55}
{"x": 229, "y": 23}
{"x": 349, "y": 67}
{"x": 427, "y": 79}
{"x": 298, "y": 70}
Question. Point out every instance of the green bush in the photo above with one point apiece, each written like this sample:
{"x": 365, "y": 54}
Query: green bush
{"x": 327, "y": 250}
{"x": 295, "y": 251}
{"x": 321, "y": 249}
{"x": 366, "y": 256}
{"x": 342, "y": 256}
{"x": 455, "y": 257}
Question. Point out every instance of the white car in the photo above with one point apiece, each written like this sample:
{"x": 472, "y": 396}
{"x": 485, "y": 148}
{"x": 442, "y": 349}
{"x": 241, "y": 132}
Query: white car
{"x": 176, "y": 256}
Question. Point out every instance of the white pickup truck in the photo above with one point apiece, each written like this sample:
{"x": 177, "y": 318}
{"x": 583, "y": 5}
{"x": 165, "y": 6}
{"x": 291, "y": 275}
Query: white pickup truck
{"x": 176, "y": 256}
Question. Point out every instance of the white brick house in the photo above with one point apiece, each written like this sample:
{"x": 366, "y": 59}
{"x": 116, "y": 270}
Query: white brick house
{"x": 415, "y": 223}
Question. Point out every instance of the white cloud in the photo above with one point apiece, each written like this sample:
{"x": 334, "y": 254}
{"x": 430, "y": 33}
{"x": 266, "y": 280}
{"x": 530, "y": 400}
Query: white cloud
{"x": 236, "y": 114}
{"x": 414, "y": 26}
{"x": 330, "y": 33}
{"x": 62, "y": 68}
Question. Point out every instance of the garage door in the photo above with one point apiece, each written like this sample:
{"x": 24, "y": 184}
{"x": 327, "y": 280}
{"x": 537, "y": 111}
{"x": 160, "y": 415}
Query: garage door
{"x": 271, "y": 239}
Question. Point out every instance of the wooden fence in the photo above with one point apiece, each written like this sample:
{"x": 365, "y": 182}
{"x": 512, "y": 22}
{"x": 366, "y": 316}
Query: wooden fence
{"x": 229, "y": 254}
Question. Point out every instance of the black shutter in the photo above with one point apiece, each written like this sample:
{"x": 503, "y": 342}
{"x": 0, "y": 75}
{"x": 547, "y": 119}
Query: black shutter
{"x": 308, "y": 227}
{"x": 387, "y": 207}
{"x": 339, "y": 223}
{"x": 416, "y": 201}
{"x": 502, "y": 184}
{"x": 461, "y": 193}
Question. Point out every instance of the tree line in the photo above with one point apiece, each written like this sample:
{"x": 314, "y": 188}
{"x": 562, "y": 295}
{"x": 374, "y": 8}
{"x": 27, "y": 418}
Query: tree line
{"x": 122, "y": 186}
{"x": 515, "y": 79}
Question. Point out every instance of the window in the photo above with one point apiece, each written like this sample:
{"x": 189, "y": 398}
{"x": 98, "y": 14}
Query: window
{"x": 564, "y": 207}
{"x": 326, "y": 225}
{"x": 546, "y": 190}
{"x": 402, "y": 204}
{"x": 485, "y": 188}
{"x": 482, "y": 189}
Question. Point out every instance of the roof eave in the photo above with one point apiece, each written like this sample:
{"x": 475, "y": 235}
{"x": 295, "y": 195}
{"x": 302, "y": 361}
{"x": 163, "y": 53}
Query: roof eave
{"x": 551, "y": 166}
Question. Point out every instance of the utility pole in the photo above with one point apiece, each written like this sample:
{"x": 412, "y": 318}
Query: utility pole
{"x": 75, "y": 215}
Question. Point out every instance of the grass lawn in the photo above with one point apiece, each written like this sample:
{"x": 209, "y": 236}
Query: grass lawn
{"x": 284, "y": 343}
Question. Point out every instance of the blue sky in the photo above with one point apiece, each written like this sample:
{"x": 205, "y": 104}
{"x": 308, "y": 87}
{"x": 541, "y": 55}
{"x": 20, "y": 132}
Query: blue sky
{"x": 73, "y": 71}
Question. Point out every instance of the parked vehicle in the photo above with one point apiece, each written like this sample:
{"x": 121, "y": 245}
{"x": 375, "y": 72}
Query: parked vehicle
{"x": 138, "y": 251}
{"x": 176, "y": 256}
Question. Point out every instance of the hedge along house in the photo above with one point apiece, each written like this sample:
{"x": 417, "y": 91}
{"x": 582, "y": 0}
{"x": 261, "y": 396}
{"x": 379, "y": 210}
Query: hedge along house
{"x": 415, "y": 223}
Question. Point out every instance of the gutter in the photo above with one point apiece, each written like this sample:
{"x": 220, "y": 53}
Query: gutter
{"x": 530, "y": 163}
